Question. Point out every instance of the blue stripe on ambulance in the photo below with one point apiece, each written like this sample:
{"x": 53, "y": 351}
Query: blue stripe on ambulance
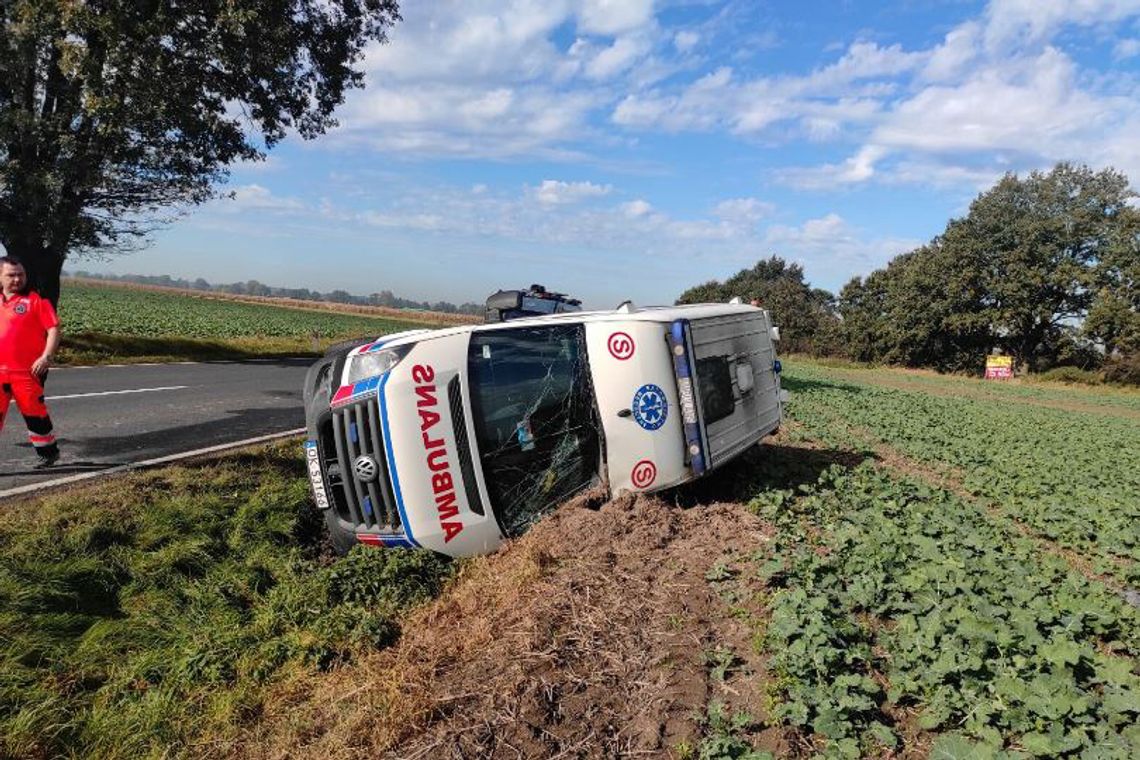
{"x": 376, "y": 346}
{"x": 392, "y": 462}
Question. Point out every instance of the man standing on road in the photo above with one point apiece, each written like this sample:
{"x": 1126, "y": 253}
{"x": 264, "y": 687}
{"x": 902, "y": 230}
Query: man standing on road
{"x": 29, "y": 336}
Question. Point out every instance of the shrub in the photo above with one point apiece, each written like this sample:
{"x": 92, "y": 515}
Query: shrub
{"x": 1070, "y": 375}
{"x": 1123, "y": 369}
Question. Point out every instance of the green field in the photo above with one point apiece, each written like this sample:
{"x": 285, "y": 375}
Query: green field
{"x": 124, "y": 311}
{"x": 993, "y": 615}
{"x": 108, "y": 323}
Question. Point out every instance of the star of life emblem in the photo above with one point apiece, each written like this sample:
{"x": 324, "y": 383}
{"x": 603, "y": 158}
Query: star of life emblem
{"x": 650, "y": 408}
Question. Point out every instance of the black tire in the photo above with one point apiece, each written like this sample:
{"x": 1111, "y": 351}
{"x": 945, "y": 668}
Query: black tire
{"x": 342, "y": 540}
{"x": 342, "y": 348}
{"x": 315, "y": 393}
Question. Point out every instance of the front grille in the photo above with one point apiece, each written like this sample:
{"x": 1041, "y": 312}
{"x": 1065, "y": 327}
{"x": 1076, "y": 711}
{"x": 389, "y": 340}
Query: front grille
{"x": 353, "y": 431}
{"x": 463, "y": 446}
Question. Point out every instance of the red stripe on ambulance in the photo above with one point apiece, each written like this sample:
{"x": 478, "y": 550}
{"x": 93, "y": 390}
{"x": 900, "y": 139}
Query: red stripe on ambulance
{"x": 435, "y": 449}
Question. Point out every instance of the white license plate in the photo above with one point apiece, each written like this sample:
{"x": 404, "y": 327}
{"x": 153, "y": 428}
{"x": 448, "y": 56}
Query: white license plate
{"x": 313, "y": 461}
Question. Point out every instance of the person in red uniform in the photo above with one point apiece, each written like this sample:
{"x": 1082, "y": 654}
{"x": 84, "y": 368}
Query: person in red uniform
{"x": 29, "y": 336}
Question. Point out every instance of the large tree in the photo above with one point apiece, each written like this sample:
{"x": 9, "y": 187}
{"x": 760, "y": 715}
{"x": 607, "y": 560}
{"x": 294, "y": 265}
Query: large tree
{"x": 113, "y": 112}
{"x": 922, "y": 310}
{"x": 1039, "y": 245}
{"x": 1114, "y": 317}
{"x": 806, "y": 315}
{"x": 1034, "y": 259}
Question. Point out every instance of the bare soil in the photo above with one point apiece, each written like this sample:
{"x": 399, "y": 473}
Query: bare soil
{"x": 607, "y": 631}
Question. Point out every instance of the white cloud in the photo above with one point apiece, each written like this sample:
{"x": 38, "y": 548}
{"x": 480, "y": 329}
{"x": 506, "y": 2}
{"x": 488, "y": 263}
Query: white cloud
{"x": 863, "y": 60}
{"x": 269, "y": 163}
{"x": 554, "y": 213}
{"x": 858, "y": 168}
{"x": 446, "y": 119}
{"x": 617, "y": 58}
{"x": 742, "y": 211}
{"x": 636, "y": 208}
{"x": 487, "y": 79}
{"x": 700, "y": 106}
{"x": 614, "y": 16}
{"x": 638, "y": 111}
{"x": 421, "y": 221}
{"x": 829, "y": 244}
{"x": 257, "y": 197}
{"x": 553, "y": 192}
{"x": 498, "y": 79}
{"x": 1124, "y": 49}
{"x": 1012, "y": 21}
{"x": 493, "y": 81}
{"x": 932, "y": 172}
{"x": 1033, "y": 103}
{"x": 823, "y": 102}
{"x": 685, "y": 40}
{"x": 481, "y": 40}
{"x": 478, "y": 80}
{"x": 489, "y": 105}
{"x": 994, "y": 95}
{"x": 958, "y": 50}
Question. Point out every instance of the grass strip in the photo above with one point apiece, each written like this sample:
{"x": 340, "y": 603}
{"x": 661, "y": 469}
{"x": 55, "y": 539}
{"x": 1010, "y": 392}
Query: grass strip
{"x": 84, "y": 349}
{"x": 149, "y": 615}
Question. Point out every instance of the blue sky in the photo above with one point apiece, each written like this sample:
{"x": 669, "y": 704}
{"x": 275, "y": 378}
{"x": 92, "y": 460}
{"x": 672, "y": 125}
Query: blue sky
{"x": 621, "y": 149}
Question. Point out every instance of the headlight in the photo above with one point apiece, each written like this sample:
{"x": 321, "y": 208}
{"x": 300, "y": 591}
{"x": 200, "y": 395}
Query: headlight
{"x": 374, "y": 363}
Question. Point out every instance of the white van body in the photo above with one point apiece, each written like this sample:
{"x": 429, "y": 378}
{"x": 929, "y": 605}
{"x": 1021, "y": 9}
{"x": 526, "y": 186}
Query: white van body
{"x": 456, "y": 439}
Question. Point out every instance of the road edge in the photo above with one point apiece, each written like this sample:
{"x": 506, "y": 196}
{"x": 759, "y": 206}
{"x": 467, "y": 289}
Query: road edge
{"x": 118, "y": 469}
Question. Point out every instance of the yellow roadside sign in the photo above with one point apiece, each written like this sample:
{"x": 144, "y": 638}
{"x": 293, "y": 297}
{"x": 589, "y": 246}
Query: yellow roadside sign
{"x": 999, "y": 367}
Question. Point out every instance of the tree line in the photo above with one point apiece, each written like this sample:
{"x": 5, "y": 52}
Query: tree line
{"x": 1044, "y": 268}
{"x": 256, "y": 288}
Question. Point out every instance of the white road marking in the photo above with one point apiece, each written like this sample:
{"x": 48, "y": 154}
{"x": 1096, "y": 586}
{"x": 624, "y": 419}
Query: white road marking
{"x": 118, "y": 393}
{"x": 255, "y": 360}
{"x": 33, "y": 487}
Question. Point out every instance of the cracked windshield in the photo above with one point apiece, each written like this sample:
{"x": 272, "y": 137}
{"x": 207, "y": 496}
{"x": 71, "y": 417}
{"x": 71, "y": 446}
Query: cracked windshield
{"x": 534, "y": 418}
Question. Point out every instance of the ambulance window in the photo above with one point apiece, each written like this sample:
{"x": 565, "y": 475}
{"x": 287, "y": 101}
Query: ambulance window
{"x": 533, "y": 407}
{"x": 715, "y": 382}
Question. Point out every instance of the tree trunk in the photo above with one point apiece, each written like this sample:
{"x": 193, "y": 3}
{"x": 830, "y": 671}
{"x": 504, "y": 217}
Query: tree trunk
{"x": 1030, "y": 343}
{"x": 48, "y": 285}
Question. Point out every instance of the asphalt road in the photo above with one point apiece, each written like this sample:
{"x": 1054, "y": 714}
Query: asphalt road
{"x": 106, "y": 417}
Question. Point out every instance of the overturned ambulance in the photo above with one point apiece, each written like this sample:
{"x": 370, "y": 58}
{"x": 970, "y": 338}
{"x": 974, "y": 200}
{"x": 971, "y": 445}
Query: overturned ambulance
{"x": 459, "y": 438}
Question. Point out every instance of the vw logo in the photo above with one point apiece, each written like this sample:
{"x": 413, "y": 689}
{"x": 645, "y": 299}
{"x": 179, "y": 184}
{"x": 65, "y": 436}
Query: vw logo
{"x": 365, "y": 468}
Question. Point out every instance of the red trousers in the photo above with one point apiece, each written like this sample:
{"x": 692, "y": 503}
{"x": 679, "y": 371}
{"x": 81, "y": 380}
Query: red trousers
{"x": 28, "y": 392}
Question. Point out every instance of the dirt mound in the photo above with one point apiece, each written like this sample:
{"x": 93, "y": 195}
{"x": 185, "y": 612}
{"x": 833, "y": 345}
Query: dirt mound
{"x": 608, "y": 630}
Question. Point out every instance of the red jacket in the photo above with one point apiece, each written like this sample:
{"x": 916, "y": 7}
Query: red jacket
{"x": 24, "y": 322}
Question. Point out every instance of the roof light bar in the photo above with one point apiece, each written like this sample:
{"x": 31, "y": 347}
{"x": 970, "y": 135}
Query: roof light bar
{"x": 683, "y": 370}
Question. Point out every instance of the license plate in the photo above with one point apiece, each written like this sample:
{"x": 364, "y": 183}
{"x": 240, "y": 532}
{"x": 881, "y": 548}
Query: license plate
{"x": 313, "y": 461}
